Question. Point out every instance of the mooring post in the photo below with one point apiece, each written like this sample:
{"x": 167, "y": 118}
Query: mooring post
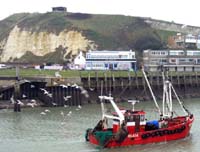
{"x": 191, "y": 76}
{"x": 129, "y": 80}
{"x": 97, "y": 81}
{"x": 76, "y": 96}
{"x": 184, "y": 81}
{"x": 136, "y": 80}
{"x": 144, "y": 84}
{"x": 113, "y": 80}
{"x": 105, "y": 80}
{"x": 69, "y": 92}
{"x": 89, "y": 80}
{"x": 17, "y": 107}
{"x": 151, "y": 78}
{"x": 178, "y": 79}
{"x": 73, "y": 95}
{"x": 80, "y": 97}
{"x": 16, "y": 97}
{"x": 196, "y": 79}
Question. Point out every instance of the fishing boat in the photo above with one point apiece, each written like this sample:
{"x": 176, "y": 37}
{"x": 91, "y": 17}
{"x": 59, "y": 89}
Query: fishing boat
{"x": 130, "y": 126}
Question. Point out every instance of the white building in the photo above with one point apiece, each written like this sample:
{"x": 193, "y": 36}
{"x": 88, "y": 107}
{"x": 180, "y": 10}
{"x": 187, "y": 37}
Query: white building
{"x": 110, "y": 60}
{"x": 79, "y": 61}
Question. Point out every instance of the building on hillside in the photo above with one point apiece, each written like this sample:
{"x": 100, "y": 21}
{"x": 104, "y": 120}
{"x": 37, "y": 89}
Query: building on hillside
{"x": 182, "y": 41}
{"x": 59, "y": 9}
{"x": 175, "y": 60}
{"x": 110, "y": 60}
{"x": 79, "y": 61}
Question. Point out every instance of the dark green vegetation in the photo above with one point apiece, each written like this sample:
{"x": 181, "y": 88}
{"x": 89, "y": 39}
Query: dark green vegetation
{"x": 110, "y": 32}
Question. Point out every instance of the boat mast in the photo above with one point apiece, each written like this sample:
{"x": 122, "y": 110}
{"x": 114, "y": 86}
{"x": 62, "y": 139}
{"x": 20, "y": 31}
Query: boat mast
{"x": 167, "y": 97}
{"x": 154, "y": 99}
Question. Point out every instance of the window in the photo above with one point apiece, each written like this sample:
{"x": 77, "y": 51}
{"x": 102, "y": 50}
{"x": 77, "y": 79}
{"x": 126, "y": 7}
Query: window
{"x": 142, "y": 117}
{"x": 172, "y": 60}
{"x": 198, "y": 61}
{"x": 182, "y": 60}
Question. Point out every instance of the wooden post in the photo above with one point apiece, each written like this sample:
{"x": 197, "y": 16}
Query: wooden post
{"x": 136, "y": 80}
{"x": 196, "y": 79}
{"x": 113, "y": 80}
{"x": 106, "y": 84}
{"x": 178, "y": 80}
{"x": 129, "y": 80}
{"x": 89, "y": 81}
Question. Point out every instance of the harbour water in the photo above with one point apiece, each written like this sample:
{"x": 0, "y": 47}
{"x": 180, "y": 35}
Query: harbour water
{"x": 63, "y": 129}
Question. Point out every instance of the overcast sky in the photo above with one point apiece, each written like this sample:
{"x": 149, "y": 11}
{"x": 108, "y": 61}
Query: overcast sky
{"x": 179, "y": 11}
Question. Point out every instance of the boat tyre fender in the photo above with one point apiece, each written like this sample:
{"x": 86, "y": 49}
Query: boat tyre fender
{"x": 154, "y": 134}
{"x": 161, "y": 133}
{"x": 170, "y": 132}
{"x": 183, "y": 128}
{"x": 178, "y": 130}
{"x": 145, "y": 136}
{"x": 165, "y": 132}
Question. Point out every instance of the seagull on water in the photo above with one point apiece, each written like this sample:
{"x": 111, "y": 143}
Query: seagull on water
{"x": 69, "y": 114}
{"x": 31, "y": 104}
{"x": 66, "y": 106}
{"x": 79, "y": 106}
{"x": 43, "y": 113}
{"x": 62, "y": 113}
{"x": 47, "y": 110}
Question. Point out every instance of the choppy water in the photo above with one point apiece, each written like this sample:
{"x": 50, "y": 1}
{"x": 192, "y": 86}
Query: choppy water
{"x": 59, "y": 131}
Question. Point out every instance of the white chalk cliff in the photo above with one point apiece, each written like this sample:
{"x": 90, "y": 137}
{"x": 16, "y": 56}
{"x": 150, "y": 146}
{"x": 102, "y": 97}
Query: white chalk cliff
{"x": 19, "y": 41}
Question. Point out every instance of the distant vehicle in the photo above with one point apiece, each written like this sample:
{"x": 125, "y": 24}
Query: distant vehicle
{"x": 3, "y": 66}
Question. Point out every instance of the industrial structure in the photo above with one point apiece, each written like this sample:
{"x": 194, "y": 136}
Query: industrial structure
{"x": 59, "y": 9}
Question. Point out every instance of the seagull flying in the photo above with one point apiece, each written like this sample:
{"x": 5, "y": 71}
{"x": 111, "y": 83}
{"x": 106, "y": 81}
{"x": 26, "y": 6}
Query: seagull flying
{"x": 67, "y": 97}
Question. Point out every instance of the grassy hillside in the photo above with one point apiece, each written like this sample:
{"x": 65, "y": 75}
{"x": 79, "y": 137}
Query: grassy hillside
{"x": 111, "y": 32}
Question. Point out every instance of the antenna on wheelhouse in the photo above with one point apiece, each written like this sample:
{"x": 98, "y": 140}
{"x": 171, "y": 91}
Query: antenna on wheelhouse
{"x": 133, "y": 102}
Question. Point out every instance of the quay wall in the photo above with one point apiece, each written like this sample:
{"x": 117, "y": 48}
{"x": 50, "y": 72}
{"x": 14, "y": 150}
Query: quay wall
{"x": 84, "y": 90}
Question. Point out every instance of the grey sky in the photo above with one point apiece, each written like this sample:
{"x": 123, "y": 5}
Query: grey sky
{"x": 179, "y": 11}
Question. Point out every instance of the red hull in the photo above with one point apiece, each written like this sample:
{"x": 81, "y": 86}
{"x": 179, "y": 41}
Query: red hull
{"x": 172, "y": 132}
